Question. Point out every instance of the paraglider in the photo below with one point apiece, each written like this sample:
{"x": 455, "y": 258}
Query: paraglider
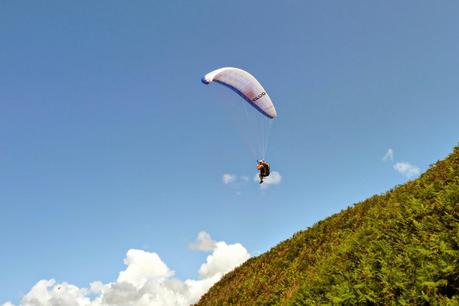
{"x": 264, "y": 169}
{"x": 248, "y": 87}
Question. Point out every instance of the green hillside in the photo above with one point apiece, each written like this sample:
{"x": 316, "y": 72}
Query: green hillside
{"x": 399, "y": 248}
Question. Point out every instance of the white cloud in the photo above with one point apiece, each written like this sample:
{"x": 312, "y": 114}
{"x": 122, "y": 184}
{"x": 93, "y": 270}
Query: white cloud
{"x": 274, "y": 178}
{"x": 407, "y": 169}
{"x": 143, "y": 266}
{"x": 47, "y": 292}
{"x": 223, "y": 259}
{"x": 146, "y": 281}
{"x": 236, "y": 182}
{"x": 203, "y": 242}
{"x": 228, "y": 178}
{"x": 389, "y": 156}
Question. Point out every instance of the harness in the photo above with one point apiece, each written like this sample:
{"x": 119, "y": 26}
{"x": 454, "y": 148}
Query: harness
{"x": 265, "y": 170}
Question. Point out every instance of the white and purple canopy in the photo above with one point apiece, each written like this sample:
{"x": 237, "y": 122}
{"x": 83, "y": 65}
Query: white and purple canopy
{"x": 246, "y": 86}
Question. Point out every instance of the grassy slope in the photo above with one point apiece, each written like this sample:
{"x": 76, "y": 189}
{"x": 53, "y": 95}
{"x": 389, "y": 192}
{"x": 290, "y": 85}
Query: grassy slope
{"x": 397, "y": 248}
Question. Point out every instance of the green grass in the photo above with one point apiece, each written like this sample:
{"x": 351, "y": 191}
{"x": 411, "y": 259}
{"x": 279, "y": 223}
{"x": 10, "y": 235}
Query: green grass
{"x": 399, "y": 248}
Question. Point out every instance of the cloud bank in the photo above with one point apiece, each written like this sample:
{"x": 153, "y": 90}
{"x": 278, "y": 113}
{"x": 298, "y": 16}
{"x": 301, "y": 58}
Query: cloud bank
{"x": 407, "y": 169}
{"x": 404, "y": 168}
{"x": 274, "y": 178}
{"x": 239, "y": 182}
{"x": 389, "y": 156}
{"x": 229, "y": 178}
{"x": 203, "y": 243}
{"x": 146, "y": 281}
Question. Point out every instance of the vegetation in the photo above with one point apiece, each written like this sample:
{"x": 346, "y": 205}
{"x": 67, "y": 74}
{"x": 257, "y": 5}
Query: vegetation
{"x": 399, "y": 248}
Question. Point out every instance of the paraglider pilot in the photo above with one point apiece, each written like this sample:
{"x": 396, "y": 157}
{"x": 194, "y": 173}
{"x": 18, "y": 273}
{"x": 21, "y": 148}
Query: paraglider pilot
{"x": 263, "y": 167}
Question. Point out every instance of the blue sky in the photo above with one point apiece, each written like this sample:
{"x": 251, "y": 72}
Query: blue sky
{"x": 109, "y": 141}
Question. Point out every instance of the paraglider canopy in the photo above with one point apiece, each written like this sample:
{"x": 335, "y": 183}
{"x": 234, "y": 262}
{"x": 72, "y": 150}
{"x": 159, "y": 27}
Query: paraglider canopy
{"x": 254, "y": 124}
{"x": 246, "y": 86}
